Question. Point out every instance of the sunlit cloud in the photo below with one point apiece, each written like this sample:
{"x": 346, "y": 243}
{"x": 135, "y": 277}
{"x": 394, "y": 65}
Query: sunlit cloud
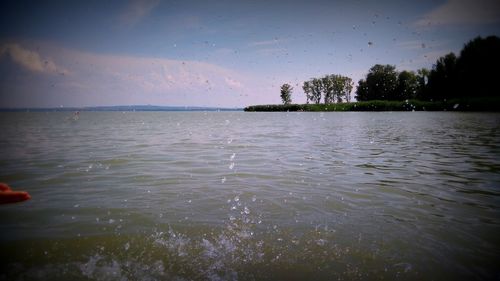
{"x": 136, "y": 10}
{"x": 148, "y": 74}
{"x": 274, "y": 41}
{"x": 123, "y": 79}
{"x": 421, "y": 45}
{"x": 30, "y": 60}
{"x": 412, "y": 45}
{"x": 462, "y": 12}
{"x": 425, "y": 60}
{"x": 234, "y": 84}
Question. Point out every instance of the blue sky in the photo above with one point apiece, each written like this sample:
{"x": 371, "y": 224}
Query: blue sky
{"x": 216, "y": 53}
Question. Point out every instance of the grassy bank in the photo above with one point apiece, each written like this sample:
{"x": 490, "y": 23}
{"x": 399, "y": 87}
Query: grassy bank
{"x": 482, "y": 104}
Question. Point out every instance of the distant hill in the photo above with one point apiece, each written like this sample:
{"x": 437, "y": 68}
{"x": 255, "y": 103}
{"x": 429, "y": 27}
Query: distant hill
{"x": 121, "y": 108}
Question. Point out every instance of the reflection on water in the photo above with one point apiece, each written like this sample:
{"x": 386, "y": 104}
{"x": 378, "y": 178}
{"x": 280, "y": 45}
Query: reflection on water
{"x": 245, "y": 196}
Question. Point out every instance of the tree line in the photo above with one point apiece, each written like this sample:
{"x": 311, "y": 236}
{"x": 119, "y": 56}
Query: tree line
{"x": 472, "y": 73}
{"x": 333, "y": 88}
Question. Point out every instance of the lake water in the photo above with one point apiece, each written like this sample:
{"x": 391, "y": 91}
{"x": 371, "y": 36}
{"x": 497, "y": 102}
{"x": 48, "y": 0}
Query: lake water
{"x": 251, "y": 196}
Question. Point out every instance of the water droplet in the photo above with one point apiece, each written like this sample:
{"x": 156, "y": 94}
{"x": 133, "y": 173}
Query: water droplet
{"x": 320, "y": 242}
{"x": 223, "y": 180}
{"x": 76, "y": 205}
{"x": 254, "y": 198}
{"x": 126, "y": 246}
{"x": 246, "y": 211}
{"x": 231, "y": 166}
{"x": 111, "y": 221}
{"x": 236, "y": 198}
{"x": 232, "y": 157}
{"x": 455, "y": 106}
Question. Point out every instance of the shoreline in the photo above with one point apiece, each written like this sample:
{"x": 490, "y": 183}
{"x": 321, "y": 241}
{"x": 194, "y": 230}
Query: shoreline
{"x": 465, "y": 104}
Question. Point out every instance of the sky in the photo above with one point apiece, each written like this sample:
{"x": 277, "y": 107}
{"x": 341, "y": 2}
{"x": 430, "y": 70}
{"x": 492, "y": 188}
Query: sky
{"x": 217, "y": 53}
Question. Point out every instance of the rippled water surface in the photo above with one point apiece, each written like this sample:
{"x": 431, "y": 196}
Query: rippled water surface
{"x": 251, "y": 196}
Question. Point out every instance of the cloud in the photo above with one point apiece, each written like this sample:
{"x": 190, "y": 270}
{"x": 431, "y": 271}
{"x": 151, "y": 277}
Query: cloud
{"x": 421, "y": 45}
{"x": 233, "y": 84}
{"x": 102, "y": 79}
{"x": 462, "y": 12}
{"x": 412, "y": 45}
{"x": 156, "y": 75}
{"x": 264, "y": 43}
{"x": 274, "y": 41}
{"x": 136, "y": 10}
{"x": 30, "y": 60}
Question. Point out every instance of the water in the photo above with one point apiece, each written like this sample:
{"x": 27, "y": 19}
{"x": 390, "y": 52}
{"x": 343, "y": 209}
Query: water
{"x": 251, "y": 196}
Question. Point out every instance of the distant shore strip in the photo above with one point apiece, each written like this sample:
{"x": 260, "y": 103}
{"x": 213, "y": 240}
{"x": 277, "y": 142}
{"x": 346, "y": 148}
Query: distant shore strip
{"x": 480, "y": 104}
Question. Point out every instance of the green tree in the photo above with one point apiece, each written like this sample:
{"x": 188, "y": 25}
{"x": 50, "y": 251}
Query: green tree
{"x": 442, "y": 78}
{"x": 347, "y": 88}
{"x": 380, "y": 84}
{"x": 473, "y": 73}
{"x": 478, "y": 68}
{"x": 286, "y": 93}
{"x": 362, "y": 91}
{"x": 407, "y": 86}
{"x": 316, "y": 89}
{"x": 328, "y": 88}
{"x": 307, "y": 87}
{"x": 340, "y": 87}
{"x": 422, "y": 79}
{"x": 343, "y": 88}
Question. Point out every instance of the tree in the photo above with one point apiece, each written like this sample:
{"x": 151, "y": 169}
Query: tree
{"x": 380, "y": 83}
{"x": 316, "y": 88}
{"x": 338, "y": 87}
{"x": 343, "y": 88}
{"x": 422, "y": 80}
{"x": 286, "y": 93}
{"x": 328, "y": 88}
{"x": 442, "y": 78}
{"x": 334, "y": 87}
{"x": 348, "y": 84}
{"x": 473, "y": 73}
{"x": 407, "y": 86}
{"x": 478, "y": 68}
{"x": 362, "y": 91}
{"x": 307, "y": 87}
